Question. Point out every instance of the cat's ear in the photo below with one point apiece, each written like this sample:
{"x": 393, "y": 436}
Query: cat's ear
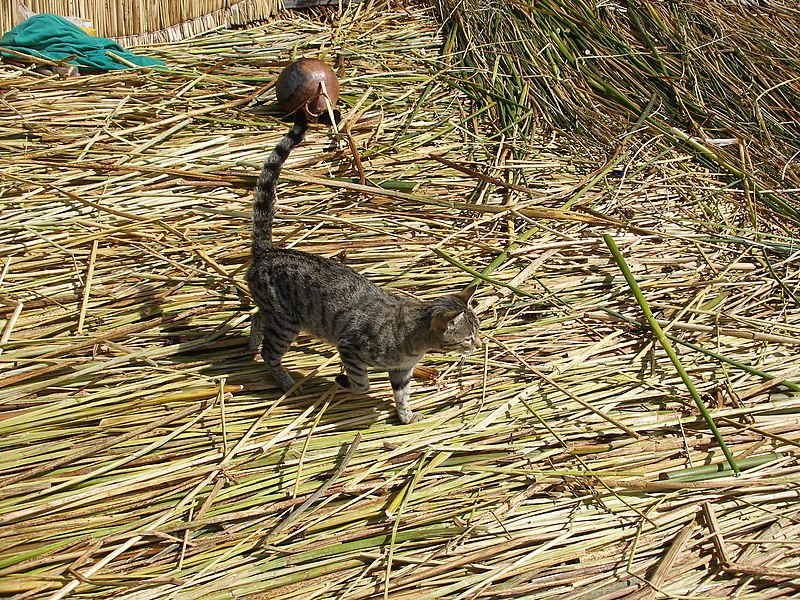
{"x": 466, "y": 294}
{"x": 441, "y": 321}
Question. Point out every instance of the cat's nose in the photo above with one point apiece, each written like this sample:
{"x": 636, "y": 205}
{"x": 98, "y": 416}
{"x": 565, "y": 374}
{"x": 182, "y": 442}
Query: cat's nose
{"x": 477, "y": 344}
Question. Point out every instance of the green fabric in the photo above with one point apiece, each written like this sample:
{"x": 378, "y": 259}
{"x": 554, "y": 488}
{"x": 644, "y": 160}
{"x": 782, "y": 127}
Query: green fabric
{"x": 55, "y": 38}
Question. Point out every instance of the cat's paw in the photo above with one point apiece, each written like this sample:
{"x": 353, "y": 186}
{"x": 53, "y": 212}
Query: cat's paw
{"x": 344, "y": 381}
{"x": 408, "y": 417}
{"x": 415, "y": 417}
{"x": 291, "y": 389}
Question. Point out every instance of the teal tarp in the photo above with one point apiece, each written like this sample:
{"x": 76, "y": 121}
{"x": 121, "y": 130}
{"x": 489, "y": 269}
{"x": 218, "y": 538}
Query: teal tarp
{"x": 55, "y": 38}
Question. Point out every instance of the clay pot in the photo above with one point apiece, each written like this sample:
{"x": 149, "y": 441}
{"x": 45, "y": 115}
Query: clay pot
{"x": 300, "y": 87}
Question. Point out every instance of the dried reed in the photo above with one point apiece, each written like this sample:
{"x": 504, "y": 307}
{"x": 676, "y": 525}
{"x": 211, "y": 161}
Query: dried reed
{"x": 717, "y": 79}
{"x": 145, "y": 455}
{"x": 134, "y": 22}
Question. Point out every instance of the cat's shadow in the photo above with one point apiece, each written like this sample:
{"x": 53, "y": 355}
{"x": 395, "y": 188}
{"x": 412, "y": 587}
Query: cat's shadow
{"x": 222, "y": 350}
{"x": 343, "y": 410}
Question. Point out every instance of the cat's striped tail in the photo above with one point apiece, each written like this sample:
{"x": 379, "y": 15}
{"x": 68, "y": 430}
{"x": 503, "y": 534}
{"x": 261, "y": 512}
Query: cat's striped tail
{"x": 264, "y": 199}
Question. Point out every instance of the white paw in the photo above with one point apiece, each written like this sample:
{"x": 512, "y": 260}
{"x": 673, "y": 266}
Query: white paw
{"x": 407, "y": 417}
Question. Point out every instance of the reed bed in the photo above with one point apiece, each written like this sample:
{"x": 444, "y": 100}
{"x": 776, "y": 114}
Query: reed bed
{"x": 718, "y": 79}
{"x": 133, "y": 22}
{"x": 145, "y": 454}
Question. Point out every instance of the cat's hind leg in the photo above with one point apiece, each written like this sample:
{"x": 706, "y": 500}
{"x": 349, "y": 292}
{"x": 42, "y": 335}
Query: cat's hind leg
{"x": 401, "y": 388}
{"x": 257, "y": 324}
{"x": 277, "y": 336}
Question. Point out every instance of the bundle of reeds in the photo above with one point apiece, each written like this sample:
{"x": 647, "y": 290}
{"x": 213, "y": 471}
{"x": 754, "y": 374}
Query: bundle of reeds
{"x": 718, "y": 79}
{"x": 144, "y": 454}
{"x": 134, "y": 22}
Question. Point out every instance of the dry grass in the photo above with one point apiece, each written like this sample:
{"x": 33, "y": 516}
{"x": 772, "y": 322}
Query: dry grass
{"x": 719, "y": 80}
{"x": 132, "y": 22}
{"x": 144, "y": 454}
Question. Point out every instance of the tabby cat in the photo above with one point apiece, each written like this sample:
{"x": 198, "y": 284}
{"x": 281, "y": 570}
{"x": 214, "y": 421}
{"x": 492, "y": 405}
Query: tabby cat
{"x": 298, "y": 291}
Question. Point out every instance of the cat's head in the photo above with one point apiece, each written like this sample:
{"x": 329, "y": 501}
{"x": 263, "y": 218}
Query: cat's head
{"x": 453, "y": 324}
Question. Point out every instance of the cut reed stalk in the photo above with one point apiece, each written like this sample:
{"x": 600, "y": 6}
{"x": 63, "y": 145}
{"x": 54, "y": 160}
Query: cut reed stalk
{"x": 150, "y": 456}
{"x": 664, "y": 341}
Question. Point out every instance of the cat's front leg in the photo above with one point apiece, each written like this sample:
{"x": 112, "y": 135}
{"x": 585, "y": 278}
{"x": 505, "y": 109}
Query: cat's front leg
{"x": 356, "y": 379}
{"x": 278, "y": 335}
{"x": 401, "y": 387}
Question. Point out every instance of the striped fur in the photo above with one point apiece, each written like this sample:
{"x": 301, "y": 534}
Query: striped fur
{"x": 264, "y": 198}
{"x": 296, "y": 291}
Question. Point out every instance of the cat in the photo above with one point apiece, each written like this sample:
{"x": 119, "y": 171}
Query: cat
{"x": 370, "y": 327}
